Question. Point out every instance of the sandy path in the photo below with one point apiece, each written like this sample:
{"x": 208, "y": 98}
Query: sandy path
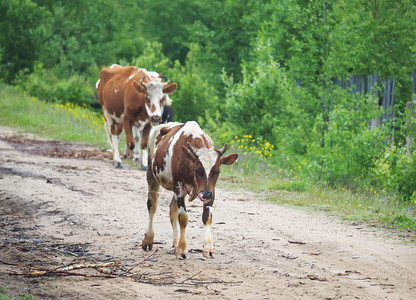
{"x": 98, "y": 213}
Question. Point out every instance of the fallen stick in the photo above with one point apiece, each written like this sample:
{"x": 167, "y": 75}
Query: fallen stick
{"x": 66, "y": 273}
{"x": 129, "y": 270}
{"x": 216, "y": 281}
{"x": 296, "y": 242}
{"x": 94, "y": 266}
{"x": 191, "y": 277}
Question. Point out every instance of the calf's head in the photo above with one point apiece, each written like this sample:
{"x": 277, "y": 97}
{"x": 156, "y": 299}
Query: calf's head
{"x": 206, "y": 164}
{"x": 155, "y": 97}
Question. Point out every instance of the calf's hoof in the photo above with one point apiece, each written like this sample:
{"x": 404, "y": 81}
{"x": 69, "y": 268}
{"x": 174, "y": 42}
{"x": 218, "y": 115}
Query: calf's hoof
{"x": 147, "y": 243}
{"x": 208, "y": 253}
{"x": 144, "y": 168}
{"x": 181, "y": 253}
{"x": 118, "y": 164}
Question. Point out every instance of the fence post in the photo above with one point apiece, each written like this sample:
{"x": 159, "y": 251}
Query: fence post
{"x": 372, "y": 81}
{"x": 410, "y": 116}
{"x": 388, "y": 99}
{"x": 414, "y": 81}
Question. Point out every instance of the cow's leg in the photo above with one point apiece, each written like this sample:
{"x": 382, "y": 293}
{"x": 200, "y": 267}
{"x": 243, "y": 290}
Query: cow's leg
{"x": 207, "y": 220}
{"x": 135, "y": 154}
{"x": 114, "y": 131}
{"x": 183, "y": 221}
{"x": 174, "y": 220}
{"x": 127, "y": 153}
{"x": 137, "y": 138}
{"x": 128, "y": 132}
{"x": 143, "y": 145}
{"x": 152, "y": 199}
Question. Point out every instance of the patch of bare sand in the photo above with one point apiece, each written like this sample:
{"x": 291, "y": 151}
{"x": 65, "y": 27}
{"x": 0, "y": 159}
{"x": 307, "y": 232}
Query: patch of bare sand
{"x": 61, "y": 210}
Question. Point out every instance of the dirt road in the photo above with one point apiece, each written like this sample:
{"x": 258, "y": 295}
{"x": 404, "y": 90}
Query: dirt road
{"x": 65, "y": 211}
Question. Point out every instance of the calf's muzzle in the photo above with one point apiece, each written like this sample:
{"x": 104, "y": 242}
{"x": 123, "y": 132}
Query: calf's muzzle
{"x": 156, "y": 119}
{"x": 205, "y": 195}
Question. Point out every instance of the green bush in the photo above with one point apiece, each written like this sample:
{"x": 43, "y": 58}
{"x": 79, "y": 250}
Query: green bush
{"x": 45, "y": 85}
{"x": 395, "y": 171}
{"x": 346, "y": 150}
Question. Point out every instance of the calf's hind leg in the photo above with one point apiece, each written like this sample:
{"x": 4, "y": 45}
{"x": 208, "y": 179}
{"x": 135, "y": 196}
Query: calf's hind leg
{"x": 173, "y": 213}
{"x": 152, "y": 199}
{"x": 178, "y": 212}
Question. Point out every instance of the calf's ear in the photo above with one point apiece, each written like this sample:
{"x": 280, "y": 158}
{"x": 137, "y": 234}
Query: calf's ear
{"x": 170, "y": 88}
{"x": 229, "y": 159}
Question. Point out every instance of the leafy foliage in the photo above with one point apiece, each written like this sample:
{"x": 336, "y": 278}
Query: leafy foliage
{"x": 22, "y": 32}
{"x": 260, "y": 68}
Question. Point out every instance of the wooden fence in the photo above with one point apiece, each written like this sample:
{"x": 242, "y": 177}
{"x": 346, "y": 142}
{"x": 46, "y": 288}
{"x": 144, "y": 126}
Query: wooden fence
{"x": 368, "y": 84}
{"x": 359, "y": 84}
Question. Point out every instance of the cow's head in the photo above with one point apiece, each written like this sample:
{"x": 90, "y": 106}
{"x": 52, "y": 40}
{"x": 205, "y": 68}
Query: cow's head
{"x": 206, "y": 163}
{"x": 154, "y": 95}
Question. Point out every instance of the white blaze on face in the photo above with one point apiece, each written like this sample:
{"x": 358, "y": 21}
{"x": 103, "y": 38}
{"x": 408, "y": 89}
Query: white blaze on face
{"x": 208, "y": 158}
{"x": 96, "y": 85}
{"x": 155, "y": 94}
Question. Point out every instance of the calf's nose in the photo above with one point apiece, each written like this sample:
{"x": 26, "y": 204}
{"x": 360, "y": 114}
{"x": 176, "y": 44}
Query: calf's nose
{"x": 207, "y": 194}
{"x": 156, "y": 119}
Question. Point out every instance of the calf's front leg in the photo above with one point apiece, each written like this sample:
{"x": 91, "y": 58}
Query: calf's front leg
{"x": 152, "y": 199}
{"x": 143, "y": 145}
{"x": 207, "y": 220}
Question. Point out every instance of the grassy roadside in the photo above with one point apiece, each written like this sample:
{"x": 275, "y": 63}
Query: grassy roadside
{"x": 69, "y": 123}
{"x": 55, "y": 121}
{"x": 17, "y": 298}
{"x": 378, "y": 210}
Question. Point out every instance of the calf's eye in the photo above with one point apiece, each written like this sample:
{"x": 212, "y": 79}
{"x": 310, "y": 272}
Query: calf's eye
{"x": 198, "y": 172}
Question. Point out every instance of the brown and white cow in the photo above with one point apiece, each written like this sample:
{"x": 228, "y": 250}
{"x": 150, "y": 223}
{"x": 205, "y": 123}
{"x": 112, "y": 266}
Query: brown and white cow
{"x": 182, "y": 159}
{"x": 167, "y": 116}
{"x": 130, "y": 97}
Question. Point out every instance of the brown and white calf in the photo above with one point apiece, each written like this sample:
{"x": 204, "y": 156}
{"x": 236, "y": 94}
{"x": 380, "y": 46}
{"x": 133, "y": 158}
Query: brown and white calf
{"x": 182, "y": 159}
{"x": 130, "y": 97}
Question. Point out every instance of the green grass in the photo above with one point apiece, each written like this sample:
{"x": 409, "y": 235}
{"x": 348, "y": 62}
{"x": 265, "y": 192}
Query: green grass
{"x": 17, "y": 298}
{"x": 253, "y": 171}
{"x": 4, "y": 296}
{"x": 59, "y": 122}
{"x": 278, "y": 187}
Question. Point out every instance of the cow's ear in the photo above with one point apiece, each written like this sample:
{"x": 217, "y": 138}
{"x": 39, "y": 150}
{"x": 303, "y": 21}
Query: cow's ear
{"x": 169, "y": 88}
{"x": 188, "y": 153}
{"x": 140, "y": 87}
{"x": 229, "y": 159}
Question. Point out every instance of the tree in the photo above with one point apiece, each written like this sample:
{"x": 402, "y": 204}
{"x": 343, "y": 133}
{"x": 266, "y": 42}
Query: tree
{"x": 22, "y": 34}
{"x": 375, "y": 37}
